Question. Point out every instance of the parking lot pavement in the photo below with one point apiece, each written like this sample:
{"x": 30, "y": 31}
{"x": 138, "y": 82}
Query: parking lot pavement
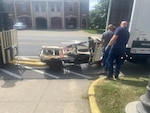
{"x": 31, "y": 89}
{"x": 44, "y": 96}
{"x": 32, "y": 68}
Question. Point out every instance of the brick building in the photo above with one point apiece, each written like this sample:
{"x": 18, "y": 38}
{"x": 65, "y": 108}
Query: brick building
{"x": 49, "y": 14}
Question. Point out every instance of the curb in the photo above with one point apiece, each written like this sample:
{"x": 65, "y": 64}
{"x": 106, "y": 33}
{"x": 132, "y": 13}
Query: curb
{"x": 31, "y": 62}
{"x": 91, "y": 95}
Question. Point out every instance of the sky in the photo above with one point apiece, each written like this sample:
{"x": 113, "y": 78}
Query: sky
{"x": 93, "y": 3}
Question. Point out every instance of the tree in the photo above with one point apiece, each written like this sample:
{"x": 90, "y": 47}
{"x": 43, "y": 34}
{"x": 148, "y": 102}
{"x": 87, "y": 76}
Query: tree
{"x": 98, "y": 15}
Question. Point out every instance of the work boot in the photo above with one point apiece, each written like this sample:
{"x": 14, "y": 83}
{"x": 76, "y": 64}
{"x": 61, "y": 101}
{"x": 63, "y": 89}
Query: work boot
{"x": 116, "y": 78}
{"x": 109, "y": 78}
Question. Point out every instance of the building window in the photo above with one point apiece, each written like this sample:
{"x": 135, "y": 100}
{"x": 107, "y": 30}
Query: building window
{"x": 36, "y": 8}
{"x": 52, "y": 7}
{"x": 23, "y": 7}
{"x": 70, "y": 7}
{"x": 43, "y": 6}
{"x": 58, "y": 7}
{"x": 9, "y": 7}
{"x": 84, "y": 7}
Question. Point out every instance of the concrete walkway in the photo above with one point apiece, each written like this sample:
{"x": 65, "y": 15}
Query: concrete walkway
{"x": 44, "y": 96}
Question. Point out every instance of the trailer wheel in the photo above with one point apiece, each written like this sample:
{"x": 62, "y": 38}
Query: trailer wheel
{"x": 55, "y": 64}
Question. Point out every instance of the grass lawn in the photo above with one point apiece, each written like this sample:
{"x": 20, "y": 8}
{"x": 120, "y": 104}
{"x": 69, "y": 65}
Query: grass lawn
{"x": 112, "y": 96}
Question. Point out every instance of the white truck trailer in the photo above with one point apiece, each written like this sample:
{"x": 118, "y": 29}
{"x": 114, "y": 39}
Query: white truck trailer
{"x": 137, "y": 13}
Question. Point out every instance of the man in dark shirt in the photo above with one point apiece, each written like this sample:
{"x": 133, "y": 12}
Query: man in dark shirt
{"x": 117, "y": 46}
{"x": 105, "y": 40}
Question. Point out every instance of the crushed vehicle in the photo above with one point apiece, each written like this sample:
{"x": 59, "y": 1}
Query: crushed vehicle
{"x": 78, "y": 53}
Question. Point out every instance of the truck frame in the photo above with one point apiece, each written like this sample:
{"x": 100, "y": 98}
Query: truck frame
{"x": 136, "y": 12}
{"x": 77, "y": 53}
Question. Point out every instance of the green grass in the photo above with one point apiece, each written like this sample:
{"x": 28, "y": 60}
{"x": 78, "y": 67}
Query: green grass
{"x": 95, "y": 31}
{"x": 113, "y": 96}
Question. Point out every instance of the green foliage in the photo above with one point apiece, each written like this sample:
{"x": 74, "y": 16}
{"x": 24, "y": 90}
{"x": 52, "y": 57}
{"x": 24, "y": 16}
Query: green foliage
{"x": 98, "y": 15}
{"x": 100, "y": 31}
{"x": 95, "y": 31}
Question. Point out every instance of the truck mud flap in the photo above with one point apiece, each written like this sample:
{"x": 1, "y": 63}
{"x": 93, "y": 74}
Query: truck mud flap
{"x": 1, "y": 59}
{"x": 81, "y": 58}
{"x": 55, "y": 65}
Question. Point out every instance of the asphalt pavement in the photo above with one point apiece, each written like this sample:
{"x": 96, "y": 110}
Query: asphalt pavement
{"x": 22, "y": 91}
{"x": 29, "y": 93}
{"x": 26, "y": 89}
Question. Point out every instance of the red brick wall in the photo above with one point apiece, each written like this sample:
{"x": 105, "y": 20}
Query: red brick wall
{"x": 75, "y": 9}
{"x": 19, "y": 8}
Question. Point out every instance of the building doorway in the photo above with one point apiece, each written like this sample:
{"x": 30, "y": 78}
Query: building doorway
{"x": 56, "y": 23}
{"x": 27, "y": 21}
{"x": 83, "y": 23}
{"x": 41, "y": 23}
{"x": 71, "y": 23}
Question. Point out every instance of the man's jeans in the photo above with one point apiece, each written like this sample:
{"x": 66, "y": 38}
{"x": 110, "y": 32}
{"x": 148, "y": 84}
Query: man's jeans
{"x": 105, "y": 58}
{"x": 114, "y": 56}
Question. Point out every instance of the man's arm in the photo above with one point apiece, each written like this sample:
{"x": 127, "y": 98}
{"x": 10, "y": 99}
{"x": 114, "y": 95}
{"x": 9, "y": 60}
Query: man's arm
{"x": 112, "y": 40}
{"x": 102, "y": 42}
